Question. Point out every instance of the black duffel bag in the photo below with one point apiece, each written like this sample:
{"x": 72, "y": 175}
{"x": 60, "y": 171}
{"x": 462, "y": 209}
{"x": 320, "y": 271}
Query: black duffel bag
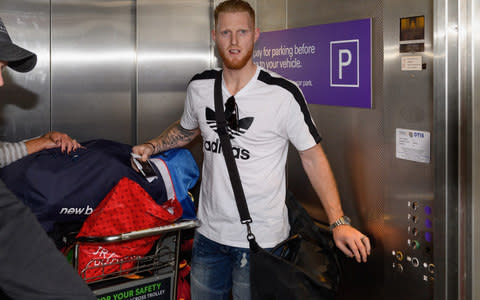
{"x": 304, "y": 266}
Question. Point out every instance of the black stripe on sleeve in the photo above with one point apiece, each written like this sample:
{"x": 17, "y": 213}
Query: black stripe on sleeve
{"x": 208, "y": 74}
{"x": 297, "y": 94}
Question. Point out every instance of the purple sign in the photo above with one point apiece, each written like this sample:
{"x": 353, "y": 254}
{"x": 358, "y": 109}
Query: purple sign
{"x": 331, "y": 63}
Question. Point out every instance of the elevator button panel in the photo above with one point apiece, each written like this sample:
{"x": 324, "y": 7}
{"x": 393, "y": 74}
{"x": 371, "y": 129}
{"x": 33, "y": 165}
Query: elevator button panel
{"x": 414, "y": 258}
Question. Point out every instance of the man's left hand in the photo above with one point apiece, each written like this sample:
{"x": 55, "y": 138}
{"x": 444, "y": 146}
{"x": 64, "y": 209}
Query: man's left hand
{"x": 62, "y": 140}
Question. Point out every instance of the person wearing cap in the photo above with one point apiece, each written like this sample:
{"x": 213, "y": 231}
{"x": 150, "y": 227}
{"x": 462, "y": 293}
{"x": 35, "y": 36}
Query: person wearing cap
{"x": 31, "y": 267}
{"x": 22, "y": 60}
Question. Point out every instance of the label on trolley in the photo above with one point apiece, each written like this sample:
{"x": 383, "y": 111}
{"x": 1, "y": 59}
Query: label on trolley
{"x": 159, "y": 289}
{"x": 413, "y": 145}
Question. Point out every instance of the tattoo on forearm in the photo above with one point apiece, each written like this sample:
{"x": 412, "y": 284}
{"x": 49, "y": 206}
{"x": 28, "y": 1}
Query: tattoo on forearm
{"x": 176, "y": 136}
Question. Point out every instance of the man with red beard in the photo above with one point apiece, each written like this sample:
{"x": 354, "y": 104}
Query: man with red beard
{"x": 264, "y": 112}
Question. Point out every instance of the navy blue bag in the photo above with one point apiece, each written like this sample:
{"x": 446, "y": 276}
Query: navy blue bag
{"x": 61, "y": 187}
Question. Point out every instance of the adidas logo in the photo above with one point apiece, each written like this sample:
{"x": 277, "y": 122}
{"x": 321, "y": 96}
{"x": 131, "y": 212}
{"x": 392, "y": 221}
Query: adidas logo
{"x": 216, "y": 147}
{"x": 243, "y": 124}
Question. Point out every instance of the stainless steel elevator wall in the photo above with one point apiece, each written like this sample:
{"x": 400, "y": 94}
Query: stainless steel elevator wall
{"x": 106, "y": 69}
{"x": 25, "y": 98}
{"x": 353, "y": 138}
{"x": 409, "y": 105}
{"x": 474, "y": 210}
{"x": 93, "y": 68}
{"x": 173, "y": 45}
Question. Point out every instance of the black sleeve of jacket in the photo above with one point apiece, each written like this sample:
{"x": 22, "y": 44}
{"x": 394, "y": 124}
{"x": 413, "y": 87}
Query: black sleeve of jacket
{"x": 31, "y": 267}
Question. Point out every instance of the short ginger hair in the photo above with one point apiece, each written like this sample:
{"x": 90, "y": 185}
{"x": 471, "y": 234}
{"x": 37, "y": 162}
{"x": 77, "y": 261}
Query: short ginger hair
{"x": 233, "y": 6}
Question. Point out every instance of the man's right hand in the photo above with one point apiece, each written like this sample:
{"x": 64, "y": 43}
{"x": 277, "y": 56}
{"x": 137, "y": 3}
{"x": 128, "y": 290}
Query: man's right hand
{"x": 144, "y": 150}
{"x": 175, "y": 136}
{"x": 52, "y": 139}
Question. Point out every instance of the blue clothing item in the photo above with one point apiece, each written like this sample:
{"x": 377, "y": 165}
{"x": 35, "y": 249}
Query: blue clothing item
{"x": 217, "y": 269}
{"x": 184, "y": 174}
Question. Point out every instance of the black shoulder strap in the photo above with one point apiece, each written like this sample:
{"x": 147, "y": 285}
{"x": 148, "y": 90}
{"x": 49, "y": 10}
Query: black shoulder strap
{"x": 228, "y": 154}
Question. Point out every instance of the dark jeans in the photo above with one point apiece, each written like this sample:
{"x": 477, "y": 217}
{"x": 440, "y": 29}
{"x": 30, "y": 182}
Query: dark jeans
{"x": 217, "y": 269}
{"x": 31, "y": 267}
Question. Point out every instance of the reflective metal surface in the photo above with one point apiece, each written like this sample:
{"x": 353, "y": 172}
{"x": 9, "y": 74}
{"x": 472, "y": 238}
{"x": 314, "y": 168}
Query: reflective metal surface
{"x": 25, "y": 98}
{"x": 173, "y": 45}
{"x": 460, "y": 37}
{"x": 473, "y": 30}
{"x": 473, "y": 11}
{"x": 446, "y": 110}
{"x": 107, "y": 69}
{"x": 93, "y": 68}
{"x": 409, "y": 190}
{"x": 354, "y": 145}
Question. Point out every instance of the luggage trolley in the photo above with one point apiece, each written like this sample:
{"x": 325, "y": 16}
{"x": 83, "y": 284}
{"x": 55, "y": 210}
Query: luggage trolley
{"x": 153, "y": 276}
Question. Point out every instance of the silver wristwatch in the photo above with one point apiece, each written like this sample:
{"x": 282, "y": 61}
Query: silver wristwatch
{"x": 344, "y": 220}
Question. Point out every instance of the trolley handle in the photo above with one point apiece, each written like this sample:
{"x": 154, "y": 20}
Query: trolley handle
{"x": 140, "y": 233}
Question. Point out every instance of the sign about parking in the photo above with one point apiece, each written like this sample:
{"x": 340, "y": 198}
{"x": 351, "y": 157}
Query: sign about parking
{"x": 332, "y": 63}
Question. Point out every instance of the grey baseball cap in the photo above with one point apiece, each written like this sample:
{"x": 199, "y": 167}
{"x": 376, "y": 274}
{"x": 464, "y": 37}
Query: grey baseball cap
{"x": 18, "y": 58}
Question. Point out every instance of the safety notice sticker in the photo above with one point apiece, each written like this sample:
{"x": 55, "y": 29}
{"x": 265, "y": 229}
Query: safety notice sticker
{"x": 413, "y": 145}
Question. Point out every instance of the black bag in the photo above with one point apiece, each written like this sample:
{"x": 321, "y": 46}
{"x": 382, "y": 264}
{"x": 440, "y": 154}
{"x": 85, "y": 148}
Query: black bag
{"x": 305, "y": 266}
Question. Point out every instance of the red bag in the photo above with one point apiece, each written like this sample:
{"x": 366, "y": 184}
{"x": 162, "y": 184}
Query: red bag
{"x": 128, "y": 207}
{"x": 183, "y": 286}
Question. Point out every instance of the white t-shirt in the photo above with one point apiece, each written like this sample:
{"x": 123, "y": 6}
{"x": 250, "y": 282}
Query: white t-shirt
{"x": 272, "y": 112}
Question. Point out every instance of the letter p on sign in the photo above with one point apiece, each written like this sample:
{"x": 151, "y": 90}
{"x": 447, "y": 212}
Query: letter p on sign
{"x": 341, "y": 62}
{"x": 344, "y": 63}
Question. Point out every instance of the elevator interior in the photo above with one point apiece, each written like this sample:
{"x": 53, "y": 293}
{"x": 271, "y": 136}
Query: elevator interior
{"x": 118, "y": 70}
